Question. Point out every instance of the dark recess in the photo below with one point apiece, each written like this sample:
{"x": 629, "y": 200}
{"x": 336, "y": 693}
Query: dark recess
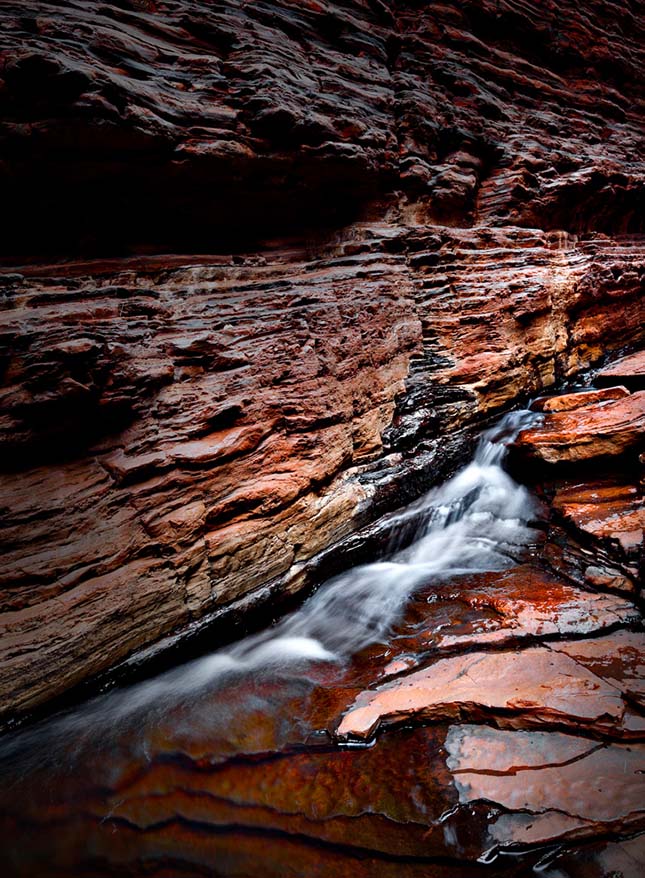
{"x": 149, "y": 203}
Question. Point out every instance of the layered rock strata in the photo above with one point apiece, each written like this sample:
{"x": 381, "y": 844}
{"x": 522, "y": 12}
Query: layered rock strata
{"x": 525, "y": 689}
{"x": 596, "y": 429}
{"x": 245, "y": 773}
{"x": 630, "y": 369}
{"x": 422, "y": 214}
{"x": 288, "y": 114}
{"x": 503, "y": 713}
{"x": 177, "y": 437}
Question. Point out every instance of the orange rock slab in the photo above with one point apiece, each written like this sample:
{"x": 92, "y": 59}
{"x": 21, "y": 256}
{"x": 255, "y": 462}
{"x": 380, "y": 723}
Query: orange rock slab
{"x": 535, "y": 687}
{"x": 589, "y": 433}
{"x": 609, "y": 511}
{"x": 569, "y": 402}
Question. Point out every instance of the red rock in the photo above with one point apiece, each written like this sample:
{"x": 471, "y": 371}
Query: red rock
{"x": 526, "y": 602}
{"x": 482, "y": 113}
{"x": 618, "y": 658}
{"x": 420, "y": 215}
{"x": 609, "y": 511}
{"x": 534, "y": 687}
{"x": 588, "y": 433}
{"x": 571, "y": 401}
{"x": 478, "y": 610}
{"x": 550, "y": 785}
{"x": 630, "y": 369}
{"x": 361, "y": 798}
{"x": 608, "y": 577}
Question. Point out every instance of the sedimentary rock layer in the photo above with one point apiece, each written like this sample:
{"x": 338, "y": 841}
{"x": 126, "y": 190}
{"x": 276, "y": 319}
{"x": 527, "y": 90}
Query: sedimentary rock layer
{"x": 598, "y": 430}
{"x": 609, "y": 511}
{"x": 530, "y": 688}
{"x": 243, "y": 772}
{"x": 630, "y": 369}
{"x": 168, "y": 122}
{"x": 175, "y": 437}
{"x": 423, "y": 213}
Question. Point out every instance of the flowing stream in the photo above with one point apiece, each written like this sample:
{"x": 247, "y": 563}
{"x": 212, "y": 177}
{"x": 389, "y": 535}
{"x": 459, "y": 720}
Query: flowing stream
{"x": 116, "y": 783}
{"x": 476, "y": 521}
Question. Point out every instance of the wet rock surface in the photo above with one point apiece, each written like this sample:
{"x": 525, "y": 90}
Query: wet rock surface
{"x": 536, "y": 685}
{"x": 595, "y": 430}
{"x": 609, "y": 511}
{"x": 269, "y": 268}
{"x": 569, "y": 786}
{"x": 407, "y": 218}
{"x": 502, "y": 729}
{"x": 568, "y": 402}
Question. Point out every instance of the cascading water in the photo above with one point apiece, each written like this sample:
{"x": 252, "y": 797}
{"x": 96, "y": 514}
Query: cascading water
{"x": 476, "y": 521}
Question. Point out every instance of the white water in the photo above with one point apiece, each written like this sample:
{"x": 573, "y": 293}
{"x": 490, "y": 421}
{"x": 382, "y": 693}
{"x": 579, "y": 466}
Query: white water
{"x": 476, "y": 521}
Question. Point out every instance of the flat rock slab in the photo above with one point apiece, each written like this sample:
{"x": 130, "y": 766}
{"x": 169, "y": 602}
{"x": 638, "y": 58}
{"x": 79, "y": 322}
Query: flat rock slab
{"x": 599, "y": 430}
{"x": 550, "y": 785}
{"x": 629, "y": 370}
{"x": 619, "y": 658}
{"x": 534, "y": 687}
{"x": 612, "y": 512}
{"x": 528, "y": 602}
{"x": 569, "y": 402}
{"x": 494, "y": 609}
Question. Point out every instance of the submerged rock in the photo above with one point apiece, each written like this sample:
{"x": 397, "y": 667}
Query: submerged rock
{"x": 551, "y": 786}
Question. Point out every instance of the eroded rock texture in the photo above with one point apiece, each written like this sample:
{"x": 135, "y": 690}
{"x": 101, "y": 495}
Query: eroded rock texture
{"x": 244, "y": 775}
{"x": 422, "y": 212}
{"x": 597, "y": 429}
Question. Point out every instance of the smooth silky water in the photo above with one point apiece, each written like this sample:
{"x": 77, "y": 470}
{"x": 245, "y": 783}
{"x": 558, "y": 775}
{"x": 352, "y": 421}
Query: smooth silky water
{"x": 278, "y": 689}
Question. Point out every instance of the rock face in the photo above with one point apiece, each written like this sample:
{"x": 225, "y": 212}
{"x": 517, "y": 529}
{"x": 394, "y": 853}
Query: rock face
{"x": 609, "y": 511}
{"x": 596, "y": 430}
{"x": 304, "y": 113}
{"x": 630, "y": 369}
{"x": 412, "y": 217}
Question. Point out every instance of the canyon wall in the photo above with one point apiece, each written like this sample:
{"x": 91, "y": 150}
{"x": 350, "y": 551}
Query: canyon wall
{"x": 266, "y": 268}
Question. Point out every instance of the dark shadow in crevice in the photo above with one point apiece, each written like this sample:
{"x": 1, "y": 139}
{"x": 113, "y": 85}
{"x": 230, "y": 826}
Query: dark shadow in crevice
{"x": 68, "y": 205}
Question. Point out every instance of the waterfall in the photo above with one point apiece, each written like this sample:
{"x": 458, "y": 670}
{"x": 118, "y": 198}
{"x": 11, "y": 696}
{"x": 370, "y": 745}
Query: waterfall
{"x": 476, "y": 521}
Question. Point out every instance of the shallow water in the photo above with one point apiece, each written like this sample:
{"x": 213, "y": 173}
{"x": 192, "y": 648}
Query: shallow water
{"x": 477, "y": 521}
{"x": 227, "y": 764}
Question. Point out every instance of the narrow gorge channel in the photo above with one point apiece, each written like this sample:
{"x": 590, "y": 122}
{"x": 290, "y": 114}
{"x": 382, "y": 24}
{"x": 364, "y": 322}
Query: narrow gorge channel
{"x": 459, "y": 706}
{"x": 322, "y": 439}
